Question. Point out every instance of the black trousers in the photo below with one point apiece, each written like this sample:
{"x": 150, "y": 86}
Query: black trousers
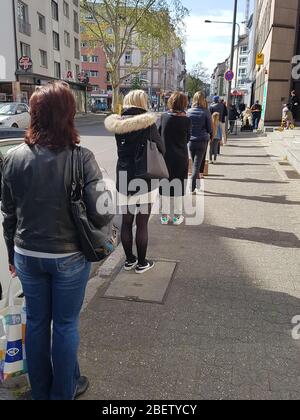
{"x": 198, "y": 153}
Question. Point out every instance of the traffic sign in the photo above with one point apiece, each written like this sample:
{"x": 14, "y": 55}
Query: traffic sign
{"x": 260, "y": 59}
{"x": 229, "y": 76}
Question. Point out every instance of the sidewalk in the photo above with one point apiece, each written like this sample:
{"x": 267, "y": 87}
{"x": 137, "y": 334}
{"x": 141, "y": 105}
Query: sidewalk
{"x": 287, "y": 144}
{"x": 224, "y": 329}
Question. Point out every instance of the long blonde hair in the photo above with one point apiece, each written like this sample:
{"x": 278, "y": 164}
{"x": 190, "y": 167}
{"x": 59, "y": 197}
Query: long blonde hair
{"x": 199, "y": 100}
{"x": 215, "y": 122}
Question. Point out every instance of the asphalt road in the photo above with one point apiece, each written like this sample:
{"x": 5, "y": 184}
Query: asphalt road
{"x": 100, "y": 142}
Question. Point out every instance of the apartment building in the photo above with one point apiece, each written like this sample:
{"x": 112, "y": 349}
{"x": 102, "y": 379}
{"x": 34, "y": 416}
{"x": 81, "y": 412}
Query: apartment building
{"x": 161, "y": 76}
{"x": 276, "y": 36}
{"x": 43, "y": 44}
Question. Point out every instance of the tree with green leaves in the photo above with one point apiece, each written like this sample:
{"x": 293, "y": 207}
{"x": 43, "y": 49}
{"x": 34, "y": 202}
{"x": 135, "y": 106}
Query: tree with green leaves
{"x": 197, "y": 79}
{"x": 155, "y": 27}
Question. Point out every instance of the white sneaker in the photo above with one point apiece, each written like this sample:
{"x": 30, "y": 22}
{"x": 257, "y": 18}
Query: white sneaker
{"x": 177, "y": 221}
{"x": 165, "y": 220}
{"x": 198, "y": 191}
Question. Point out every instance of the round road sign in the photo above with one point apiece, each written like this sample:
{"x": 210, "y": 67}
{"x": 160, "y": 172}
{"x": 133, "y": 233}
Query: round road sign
{"x": 229, "y": 76}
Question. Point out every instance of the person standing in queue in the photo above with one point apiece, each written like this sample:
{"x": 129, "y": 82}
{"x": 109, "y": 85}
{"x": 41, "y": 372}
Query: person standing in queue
{"x": 201, "y": 135}
{"x": 133, "y": 128}
{"x": 175, "y": 129}
{"x": 43, "y": 241}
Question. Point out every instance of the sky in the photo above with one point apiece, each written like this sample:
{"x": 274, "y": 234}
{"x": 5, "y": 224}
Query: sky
{"x": 210, "y": 43}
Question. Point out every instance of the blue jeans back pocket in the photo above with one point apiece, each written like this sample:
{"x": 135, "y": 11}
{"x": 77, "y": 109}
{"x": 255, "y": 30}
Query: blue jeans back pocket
{"x": 71, "y": 265}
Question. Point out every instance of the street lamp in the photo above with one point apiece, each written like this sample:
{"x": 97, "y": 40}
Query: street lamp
{"x": 234, "y": 24}
{"x": 227, "y": 23}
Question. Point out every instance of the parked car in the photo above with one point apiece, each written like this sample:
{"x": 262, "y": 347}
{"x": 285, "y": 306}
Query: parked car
{"x": 5, "y": 146}
{"x": 14, "y": 114}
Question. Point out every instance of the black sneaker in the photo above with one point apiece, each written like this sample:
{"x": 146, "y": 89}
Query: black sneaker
{"x": 130, "y": 265}
{"x": 82, "y": 386}
{"x": 142, "y": 268}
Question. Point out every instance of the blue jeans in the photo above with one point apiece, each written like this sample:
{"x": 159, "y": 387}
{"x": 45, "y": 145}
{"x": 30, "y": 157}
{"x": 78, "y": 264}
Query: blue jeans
{"x": 54, "y": 290}
{"x": 256, "y": 120}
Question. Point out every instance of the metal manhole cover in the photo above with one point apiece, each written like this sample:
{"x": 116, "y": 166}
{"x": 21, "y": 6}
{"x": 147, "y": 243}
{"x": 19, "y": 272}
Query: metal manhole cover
{"x": 150, "y": 287}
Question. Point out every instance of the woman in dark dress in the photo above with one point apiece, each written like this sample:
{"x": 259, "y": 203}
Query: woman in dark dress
{"x": 175, "y": 129}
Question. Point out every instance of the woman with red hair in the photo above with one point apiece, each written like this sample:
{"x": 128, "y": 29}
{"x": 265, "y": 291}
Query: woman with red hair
{"x": 43, "y": 242}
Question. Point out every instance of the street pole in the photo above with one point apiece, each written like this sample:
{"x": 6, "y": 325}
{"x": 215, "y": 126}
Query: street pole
{"x": 231, "y": 58}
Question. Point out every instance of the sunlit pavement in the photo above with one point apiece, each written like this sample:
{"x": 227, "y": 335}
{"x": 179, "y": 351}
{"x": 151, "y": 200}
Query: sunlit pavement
{"x": 224, "y": 330}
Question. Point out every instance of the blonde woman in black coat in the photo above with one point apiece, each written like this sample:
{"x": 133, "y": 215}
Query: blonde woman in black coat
{"x": 135, "y": 126}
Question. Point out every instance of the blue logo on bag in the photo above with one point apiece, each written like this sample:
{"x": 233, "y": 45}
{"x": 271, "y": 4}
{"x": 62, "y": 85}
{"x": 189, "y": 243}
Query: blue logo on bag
{"x": 14, "y": 351}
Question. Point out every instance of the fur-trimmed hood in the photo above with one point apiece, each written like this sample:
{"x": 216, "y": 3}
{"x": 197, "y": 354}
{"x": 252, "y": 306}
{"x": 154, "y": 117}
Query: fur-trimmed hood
{"x": 128, "y": 124}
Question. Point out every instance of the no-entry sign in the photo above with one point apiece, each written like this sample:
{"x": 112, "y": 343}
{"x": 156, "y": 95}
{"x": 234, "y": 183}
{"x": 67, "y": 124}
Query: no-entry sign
{"x": 229, "y": 76}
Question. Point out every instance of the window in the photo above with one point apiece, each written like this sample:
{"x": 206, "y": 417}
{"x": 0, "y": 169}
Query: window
{"x": 55, "y": 40}
{"x": 54, "y": 8}
{"x": 43, "y": 59}
{"x": 94, "y": 73}
{"x": 68, "y": 66}
{"x": 67, "y": 39}
{"x": 95, "y": 88}
{"x": 66, "y": 9}
{"x": 108, "y": 77}
{"x": 144, "y": 75}
{"x": 21, "y": 109}
{"x": 242, "y": 72}
{"x": 41, "y": 23}
{"x": 57, "y": 72}
{"x": 128, "y": 57}
{"x": 23, "y": 11}
{"x": 243, "y": 61}
{"x": 241, "y": 82}
{"x": 84, "y": 58}
{"x": 23, "y": 19}
{"x": 244, "y": 50}
{"x": 25, "y": 49}
{"x": 76, "y": 49}
{"x": 76, "y": 22}
{"x": 84, "y": 44}
{"x": 94, "y": 59}
{"x": 77, "y": 70}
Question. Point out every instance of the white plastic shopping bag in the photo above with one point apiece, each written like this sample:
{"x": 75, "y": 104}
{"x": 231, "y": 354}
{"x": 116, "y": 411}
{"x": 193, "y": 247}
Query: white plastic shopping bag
{"x": 12, "y": 337}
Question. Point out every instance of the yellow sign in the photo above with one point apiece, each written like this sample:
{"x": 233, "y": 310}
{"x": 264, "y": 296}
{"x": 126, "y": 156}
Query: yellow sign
{"x": 260, "y": 59}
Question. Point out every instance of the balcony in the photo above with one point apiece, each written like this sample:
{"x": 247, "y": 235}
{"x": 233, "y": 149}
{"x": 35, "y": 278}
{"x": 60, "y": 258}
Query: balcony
{"x": 24, "y": 27}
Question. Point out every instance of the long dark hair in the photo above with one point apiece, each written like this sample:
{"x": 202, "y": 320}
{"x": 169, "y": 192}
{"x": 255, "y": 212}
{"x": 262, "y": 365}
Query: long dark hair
{"x": 52, "y": 110}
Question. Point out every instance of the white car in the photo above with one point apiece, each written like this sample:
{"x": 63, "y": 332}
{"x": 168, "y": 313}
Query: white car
{"x": 14, "y": 114}
{"x": 5, "y": 278}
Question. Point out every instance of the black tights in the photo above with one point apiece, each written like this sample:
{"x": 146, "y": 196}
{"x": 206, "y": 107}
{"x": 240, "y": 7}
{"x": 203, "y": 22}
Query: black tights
{"x": 141, "y": 234}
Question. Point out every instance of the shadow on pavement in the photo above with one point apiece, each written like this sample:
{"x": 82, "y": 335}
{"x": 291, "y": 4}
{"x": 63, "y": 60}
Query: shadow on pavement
{"x": 277, "y": 199}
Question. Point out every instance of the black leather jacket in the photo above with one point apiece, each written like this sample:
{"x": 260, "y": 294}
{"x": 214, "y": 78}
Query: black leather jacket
{"x": 36, "y": 185}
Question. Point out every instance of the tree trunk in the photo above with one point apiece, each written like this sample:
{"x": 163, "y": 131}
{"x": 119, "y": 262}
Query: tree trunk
{"x": 115, "y": 100}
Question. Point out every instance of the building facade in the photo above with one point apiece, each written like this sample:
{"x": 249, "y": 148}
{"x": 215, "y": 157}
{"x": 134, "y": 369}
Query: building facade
{"x": 160, "y": 76}
{"x": 46, "y": 34}
{"x": 276, "y": 36}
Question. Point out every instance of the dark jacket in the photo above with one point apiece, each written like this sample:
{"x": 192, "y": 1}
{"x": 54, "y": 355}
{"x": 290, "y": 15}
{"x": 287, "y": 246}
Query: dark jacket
{"x": 36, "y": 185}
{"x": 294, "y": 103}
{"x": 134, "y": 127}
{"x": 176, "y": 133}
{"x": 233, "y": 113}
{"x": 201, "y": 124}
{"x": 221, "y": 109}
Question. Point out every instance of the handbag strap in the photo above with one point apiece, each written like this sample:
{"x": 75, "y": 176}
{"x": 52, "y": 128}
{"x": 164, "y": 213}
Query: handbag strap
{"x": 77, "y": 170}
